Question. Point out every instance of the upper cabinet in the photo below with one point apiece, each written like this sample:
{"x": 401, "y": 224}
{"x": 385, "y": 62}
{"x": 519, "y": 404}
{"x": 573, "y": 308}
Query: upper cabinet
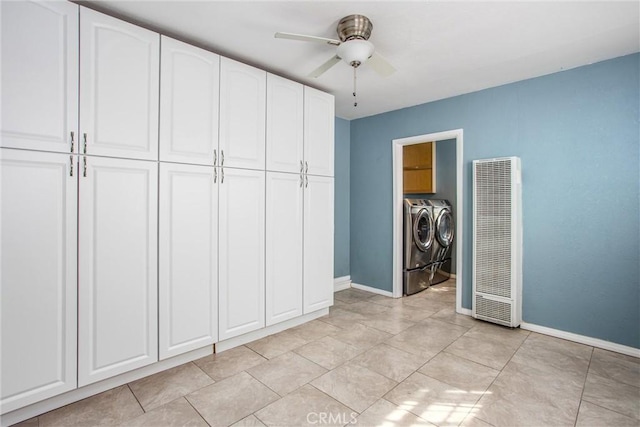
{"x": 319, "y": 122}
{"x": 189, "y": 98}
{"x": 119, "y": 80}
{"x": 39, "y": 75}
{"x": 419, "y": 168}
{"x": 242, "y": 115}
{"x": 285, "y": 124}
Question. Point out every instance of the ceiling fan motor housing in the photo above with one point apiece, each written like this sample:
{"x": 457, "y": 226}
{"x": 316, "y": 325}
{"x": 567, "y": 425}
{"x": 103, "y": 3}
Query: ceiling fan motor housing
{"x": 354, "y": 27}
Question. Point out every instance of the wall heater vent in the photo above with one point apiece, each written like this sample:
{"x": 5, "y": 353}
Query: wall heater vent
{"x": 497, "y": 241}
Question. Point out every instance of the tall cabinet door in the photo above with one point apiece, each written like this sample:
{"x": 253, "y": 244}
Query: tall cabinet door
{"x": 38, "y": 212}
{"x": 119, "y": 78}
{"x": 189, "y": 98}
{"x": 318, "y": 243}
{"x": 188, "y": 247}
{"x": 39, "y": 75}
{"x": 241, "y": 254}
{"x": 319, "y": 123}
{"x": 118, "y": 302}
{"x": 285, "y": 106}
{"x": 284, "y": 247}
{"x": 242, "y": 115}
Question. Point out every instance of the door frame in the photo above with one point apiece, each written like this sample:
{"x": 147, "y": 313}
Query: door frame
{"x": 396, "y": 147}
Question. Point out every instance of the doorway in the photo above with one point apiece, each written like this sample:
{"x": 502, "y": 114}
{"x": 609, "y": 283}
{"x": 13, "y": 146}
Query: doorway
{"x": 398, "y": 194}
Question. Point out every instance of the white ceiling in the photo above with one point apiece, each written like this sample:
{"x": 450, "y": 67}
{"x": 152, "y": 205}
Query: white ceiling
{"x": 439, "y": 48}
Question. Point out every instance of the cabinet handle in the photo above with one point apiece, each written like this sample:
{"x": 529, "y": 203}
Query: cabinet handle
{"x": 72, "y": 141}
{"x": 222, "y": 179}
{"x": 301, "y": 177}
{"x": 84, "y": 168}
{"x": 306, "y": 167}
{"x": 222, "y": 161}
{"x": 84, "y": 136}
{"x": 301, "y": 166}
{"x": 307, "y": 181}
{"x": 215, "y": 157}
{"x": 71, "y": 165}
{"x": 215, "y": 175}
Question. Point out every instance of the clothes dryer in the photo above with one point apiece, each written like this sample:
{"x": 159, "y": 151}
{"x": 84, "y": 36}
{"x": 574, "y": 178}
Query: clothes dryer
{"x": 444, "y": 233}
{"x": 418, "y": 244}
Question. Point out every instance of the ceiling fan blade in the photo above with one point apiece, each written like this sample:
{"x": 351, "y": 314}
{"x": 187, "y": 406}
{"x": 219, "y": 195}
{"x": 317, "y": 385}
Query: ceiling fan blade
{"x": 324, "y": 67}
{"x": 380, "y": 65}
{"x": 306, "y": 38}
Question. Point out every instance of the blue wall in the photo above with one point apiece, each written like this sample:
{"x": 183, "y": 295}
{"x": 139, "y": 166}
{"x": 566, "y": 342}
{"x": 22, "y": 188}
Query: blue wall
{"x": 577, "y": 135}
{"x": 342, "y": 195}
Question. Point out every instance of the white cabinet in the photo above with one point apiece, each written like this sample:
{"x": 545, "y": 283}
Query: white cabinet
{"x": 241, "y": 253}
{"x": 284, "y": 247}
{"x": 119, "y": 80}
{"x": 285, "y": 120}
{"x": 118, "y": 303}
{"x": 319, "y": 123}
{"x": 318, "y": 243}
{"x": 38, "y": 274}
{"x": 242, "y": 115}
{"x": 188, "y": 258}
{"x": 189, "y": 98}
{"x": 39, "y": 75}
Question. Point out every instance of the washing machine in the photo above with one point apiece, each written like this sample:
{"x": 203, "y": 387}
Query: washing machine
{"x": 419, "y": 235}
{"x": 444, "y": 232}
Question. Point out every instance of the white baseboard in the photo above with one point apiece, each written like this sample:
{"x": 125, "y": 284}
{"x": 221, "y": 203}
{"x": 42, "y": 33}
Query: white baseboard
{"x": 341, "y": 283}
{"x": 464, "y": 311}
{"x": 60, "y": 400}
{"x": 372, "y": 290}
{"x": 582, "y": 339}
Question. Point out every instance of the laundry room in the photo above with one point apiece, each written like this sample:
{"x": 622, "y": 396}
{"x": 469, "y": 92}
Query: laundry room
{"x": 429, "y": 179}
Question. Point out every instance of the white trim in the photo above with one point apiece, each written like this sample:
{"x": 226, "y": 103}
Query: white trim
{"x": 396, "y": 147}
{"x": 372, "y": 290}
{"x": 341, "y": 283}
{"x": 465, "y": 311}
{"x": 60, "y": 400}
{"x": 582, "y": 339}
{"x": 269, "y": 330}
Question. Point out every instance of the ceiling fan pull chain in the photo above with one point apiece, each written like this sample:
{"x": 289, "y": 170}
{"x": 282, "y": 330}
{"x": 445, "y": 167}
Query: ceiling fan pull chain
{"x": 355, "y": 98}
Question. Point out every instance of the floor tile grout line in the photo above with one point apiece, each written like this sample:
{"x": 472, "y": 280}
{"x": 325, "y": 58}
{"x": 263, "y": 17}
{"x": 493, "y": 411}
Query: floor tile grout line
{"x": 584, "y": 385}
{"x": 497, "y": 376}
{"x": 136, "y": 397}
{"x": 336, "y": 399}
{"x": 197, "y": 412}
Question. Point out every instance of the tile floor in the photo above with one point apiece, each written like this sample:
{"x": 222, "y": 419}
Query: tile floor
{"x": 376, "y": 361}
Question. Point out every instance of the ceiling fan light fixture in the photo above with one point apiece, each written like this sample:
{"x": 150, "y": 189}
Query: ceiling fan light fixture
{"x": 355, "y": 52}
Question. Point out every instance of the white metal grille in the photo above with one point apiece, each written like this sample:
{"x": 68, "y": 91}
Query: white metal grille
{"x": 493, "y": 310}
{"x": 492, "y": 201}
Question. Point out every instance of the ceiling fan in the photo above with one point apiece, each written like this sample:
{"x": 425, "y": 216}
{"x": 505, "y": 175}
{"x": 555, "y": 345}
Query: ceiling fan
{"x": 354, "y": 47}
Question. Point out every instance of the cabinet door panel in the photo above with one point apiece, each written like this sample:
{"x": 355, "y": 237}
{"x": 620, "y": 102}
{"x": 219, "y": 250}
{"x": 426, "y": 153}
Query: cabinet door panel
{"x": 242, "y": 115}
{"x": 38, "y": 276}
{"x": 118, "y": 214}
{"x": 119, "y": 78}
{"x": 39, "y": 75}
{"x": 241, "y": 255}
{"x": 318, "y": 243}
{"x": 285, "y": 121}
{"x": 284, "y": 247}
{"x": 189, "y": 99}
{"x": 319, "y": 123}
{"x": 188, "y": 258}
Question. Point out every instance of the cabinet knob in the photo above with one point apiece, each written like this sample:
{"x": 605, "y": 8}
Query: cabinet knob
{"x": 84, "y": 138}
{"x": 71, "y": 165}
{"x": 72, "y": 135}
{"x": 84, "y": 167}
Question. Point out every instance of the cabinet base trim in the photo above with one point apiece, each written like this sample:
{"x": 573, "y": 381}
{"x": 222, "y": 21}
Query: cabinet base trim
{"x": 269, "y": 330}
{"x": 47, "y": 405}
{"x": 341, "y": 283}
